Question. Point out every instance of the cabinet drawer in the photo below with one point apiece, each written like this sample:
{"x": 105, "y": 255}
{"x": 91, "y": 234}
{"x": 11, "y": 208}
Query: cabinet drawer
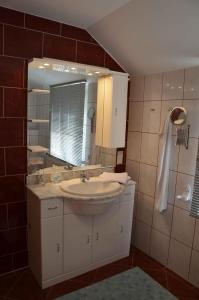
{"x": 51, "y": 208}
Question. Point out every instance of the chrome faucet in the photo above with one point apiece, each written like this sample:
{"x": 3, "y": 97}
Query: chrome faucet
{"x": 83, "y": 176}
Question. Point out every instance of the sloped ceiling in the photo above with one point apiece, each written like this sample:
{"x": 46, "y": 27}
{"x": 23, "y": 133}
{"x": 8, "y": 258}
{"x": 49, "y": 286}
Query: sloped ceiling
{"x": 80, "y": 13}
{"x": 144, "y": 36}
{"x": 149, "y": 36}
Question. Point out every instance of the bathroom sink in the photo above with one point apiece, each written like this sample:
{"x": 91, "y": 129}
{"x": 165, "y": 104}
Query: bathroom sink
{"x": 92, "y": 197}
{"x": 91, "y": 188}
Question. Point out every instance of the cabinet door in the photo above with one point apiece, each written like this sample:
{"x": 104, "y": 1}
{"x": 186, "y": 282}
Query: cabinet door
{"x": 77, "y": 242}
{"x": 125, "y": 226}
{"x": 105, "y": 234}
{"x": 52, "y": 245}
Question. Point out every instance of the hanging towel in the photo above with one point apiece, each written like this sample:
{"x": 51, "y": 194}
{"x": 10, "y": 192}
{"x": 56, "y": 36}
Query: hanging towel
{"x": 118, "y": 177}
{"x": 163, "y": 171}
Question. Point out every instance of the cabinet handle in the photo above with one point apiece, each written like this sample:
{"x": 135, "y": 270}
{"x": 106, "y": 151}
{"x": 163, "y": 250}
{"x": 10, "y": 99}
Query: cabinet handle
{"x": 121, "y": 229}
{"x": 97, "y": 236}
{"x": 58, "y": 247}
{"x": 51, "y": 208}
{"x": 88, "y": 239}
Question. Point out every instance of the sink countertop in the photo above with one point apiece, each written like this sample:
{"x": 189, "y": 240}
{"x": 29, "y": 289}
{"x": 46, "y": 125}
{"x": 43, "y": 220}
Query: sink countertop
{"x": 53, "y": 190}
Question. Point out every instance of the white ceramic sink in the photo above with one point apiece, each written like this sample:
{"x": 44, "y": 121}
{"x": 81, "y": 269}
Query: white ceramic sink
{"x": 90, "y": 188}
{"x": 91, "y": 197}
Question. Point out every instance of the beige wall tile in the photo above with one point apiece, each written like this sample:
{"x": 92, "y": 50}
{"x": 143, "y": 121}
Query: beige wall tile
{"x": 151, "y": 116}
{"x": 135, "y": 116}
{"x": 147, "y": 179}
{"x": 179, "y": 258}
{"x": 162, "y": 221}
{"x": 187, "y": 157}
{"x": 183, "y": 226}
{"x": 142, "y": 236}
{"x": 159, "y": 246}
{"x": 137, "y": 88}
{"x": 132, "y": 167}
{"x": 144, "y": 210}
{"x": 133, "y": 146}
{"x": 194, "y": 268}
{"x": 173, "y": 85}
{"x": 191, "y": 87}
{"x": 153, "y": 87}
{"x": 182, "y": 181}
{"x": 149, "y": 148}
{"x": 192, "y": 107}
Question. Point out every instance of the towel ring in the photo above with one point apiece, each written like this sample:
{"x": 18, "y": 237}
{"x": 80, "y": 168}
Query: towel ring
{"x": 178, "y": 115}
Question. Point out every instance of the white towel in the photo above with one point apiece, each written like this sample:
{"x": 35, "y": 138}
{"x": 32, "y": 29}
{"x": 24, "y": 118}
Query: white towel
{"x": 115, "y": 177}
{"x": 163, "y": 171}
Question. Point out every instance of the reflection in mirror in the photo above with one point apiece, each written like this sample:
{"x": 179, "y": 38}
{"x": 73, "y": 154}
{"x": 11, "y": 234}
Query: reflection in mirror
{"x": 62, "y": 116}
{"x": 178, "y": 115}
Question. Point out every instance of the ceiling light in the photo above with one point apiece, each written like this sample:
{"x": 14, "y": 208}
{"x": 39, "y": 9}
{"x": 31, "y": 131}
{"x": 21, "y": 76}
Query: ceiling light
{"x": 90, "y": 74}
{"x": 97, "y": 72}
{"x": 73, "y": 68}
{"x": 41, "y": 67}
{"x": 66, "y": 70}
{"x": 46, "y": 64}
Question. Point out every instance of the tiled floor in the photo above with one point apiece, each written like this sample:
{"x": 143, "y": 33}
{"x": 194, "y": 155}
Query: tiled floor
{"x": 22, "y": 286}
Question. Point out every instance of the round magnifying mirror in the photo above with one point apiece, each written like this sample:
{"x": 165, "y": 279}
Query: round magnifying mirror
{"x": 178, "y": 115}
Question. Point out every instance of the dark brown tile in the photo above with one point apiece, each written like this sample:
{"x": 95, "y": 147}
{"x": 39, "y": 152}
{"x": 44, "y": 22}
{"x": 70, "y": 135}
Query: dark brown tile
{"x": 27, "y": 288}
{"x": 90, "y": 54}
{"x": 26, "y": 74}
{"x": 12, "y": 70}
{"x": 6, "y": 265}
{"x": 12, "y": 189}
{"x": 159, "y": 276}
{"x": 17, "y": 214}
{"x": 144, "y": 261}
{"x": 13, "y": 240}
{"x": 1, "y": 101}
{"x": 20, "y": 260}
{"x": 1, "y": 38}
{"x": 8, "y": 281}
{"x": 25, "y": 132}
{"x": 112, "y": 64}
{"x": 2, "y": 162}
{"x": 11, "y": 132}
{"x": 16, "y": 160}
{"x": 3, "y": 217}
{"x": 66, "y": 287}
{"x": 109, "y": 271}
{"x": 181, "y": 288}
{"x": 76, "y": 33}
{"x": 88, "y": 277}
{"x": 10, "y": 16}
{"x": 21, "y": 42}
{"x": 15, "y": 102}
{"x": 41, "y": 24}
{"x": 59, "y": 47}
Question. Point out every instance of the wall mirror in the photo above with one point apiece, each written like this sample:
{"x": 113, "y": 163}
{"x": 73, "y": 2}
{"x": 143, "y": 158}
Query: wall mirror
{"x": 178, "y": 115}
{"x": 62, "y": 100}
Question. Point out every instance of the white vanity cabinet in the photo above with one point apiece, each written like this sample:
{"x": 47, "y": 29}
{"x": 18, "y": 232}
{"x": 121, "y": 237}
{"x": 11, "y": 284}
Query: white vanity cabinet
{"x": 77, "y": 242}
{"x": 64, "y": 244}
{"x": 106, "y": 234}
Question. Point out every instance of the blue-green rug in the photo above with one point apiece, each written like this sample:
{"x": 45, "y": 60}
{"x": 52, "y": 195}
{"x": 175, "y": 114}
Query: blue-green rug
{"x": 130, "y": 285}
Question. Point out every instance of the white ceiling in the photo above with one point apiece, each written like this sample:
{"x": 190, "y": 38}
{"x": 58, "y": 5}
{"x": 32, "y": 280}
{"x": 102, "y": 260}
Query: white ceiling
{"x": 81, "y": 13}
{"x": 144, "y": 36}
{"x": 149, "y": 36}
